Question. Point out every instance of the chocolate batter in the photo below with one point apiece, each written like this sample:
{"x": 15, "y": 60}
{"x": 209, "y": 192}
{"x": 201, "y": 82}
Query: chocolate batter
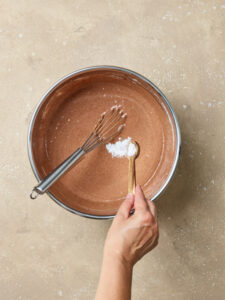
{"x": 98, "y": 184}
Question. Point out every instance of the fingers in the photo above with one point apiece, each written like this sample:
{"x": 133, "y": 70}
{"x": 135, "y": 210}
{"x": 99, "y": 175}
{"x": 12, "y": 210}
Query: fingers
{"x": 152, "y": 208}
{"x": 151, "y": 246}
{"x": 140, "y": 201}
{"x": 126, "y": 206}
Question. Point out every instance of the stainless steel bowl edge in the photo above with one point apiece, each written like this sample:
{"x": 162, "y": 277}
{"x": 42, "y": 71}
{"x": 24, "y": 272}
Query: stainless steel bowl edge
{"x": 178, "y": 134}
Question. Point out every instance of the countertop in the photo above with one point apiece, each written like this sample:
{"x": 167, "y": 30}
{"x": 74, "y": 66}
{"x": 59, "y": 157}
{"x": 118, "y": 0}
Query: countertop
{"x": 49, "y": 253}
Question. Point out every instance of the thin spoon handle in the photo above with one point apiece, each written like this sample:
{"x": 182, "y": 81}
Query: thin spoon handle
{"x": 131, "y": 176}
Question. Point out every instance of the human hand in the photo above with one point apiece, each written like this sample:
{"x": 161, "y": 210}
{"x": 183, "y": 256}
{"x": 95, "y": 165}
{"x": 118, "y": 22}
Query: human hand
{"x": 130, "y": 237}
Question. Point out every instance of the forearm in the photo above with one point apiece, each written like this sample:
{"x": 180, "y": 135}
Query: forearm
{"x": 115, "y": 279}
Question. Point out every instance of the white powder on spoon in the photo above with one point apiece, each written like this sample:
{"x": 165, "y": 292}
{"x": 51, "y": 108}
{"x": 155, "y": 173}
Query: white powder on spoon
{"x": 131, "y": 149}
{"x": 121, "y": 148}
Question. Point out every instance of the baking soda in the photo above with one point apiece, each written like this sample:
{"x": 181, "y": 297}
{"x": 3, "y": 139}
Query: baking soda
{"x": 131, "y": 149}
{"x": 121, "y": 148}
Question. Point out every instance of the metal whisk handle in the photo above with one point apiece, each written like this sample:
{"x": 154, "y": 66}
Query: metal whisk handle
{"x": 45, "y": 184}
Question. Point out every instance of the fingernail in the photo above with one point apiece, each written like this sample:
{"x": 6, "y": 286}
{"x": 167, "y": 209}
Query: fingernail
{"x": 129, "y": 196}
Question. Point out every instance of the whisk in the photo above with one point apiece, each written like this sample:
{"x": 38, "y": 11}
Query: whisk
{"x": 108, "y": 127}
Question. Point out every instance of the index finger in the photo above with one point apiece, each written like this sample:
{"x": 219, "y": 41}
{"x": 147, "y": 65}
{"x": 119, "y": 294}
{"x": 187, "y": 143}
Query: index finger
{"x": 140, "y": 202}
{"x": 152, "y": 208}
{"x": 125, "y": 207}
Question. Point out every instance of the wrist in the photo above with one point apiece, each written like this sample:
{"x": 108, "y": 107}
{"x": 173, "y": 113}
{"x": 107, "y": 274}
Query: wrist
{"x": 114, "y": 258}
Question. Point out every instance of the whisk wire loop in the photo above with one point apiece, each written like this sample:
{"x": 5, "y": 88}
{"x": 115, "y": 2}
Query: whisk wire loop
{"x": 109, "y": 126}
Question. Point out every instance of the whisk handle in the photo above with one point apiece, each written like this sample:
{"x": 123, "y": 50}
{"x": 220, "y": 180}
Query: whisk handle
{"x": 45, "y": 184}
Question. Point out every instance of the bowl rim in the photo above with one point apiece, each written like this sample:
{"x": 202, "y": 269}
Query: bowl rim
{"x": 103, "y": 67}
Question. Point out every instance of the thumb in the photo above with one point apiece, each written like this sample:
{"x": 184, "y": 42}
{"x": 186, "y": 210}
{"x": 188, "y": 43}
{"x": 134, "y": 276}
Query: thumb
{"x": 125, "y": 207}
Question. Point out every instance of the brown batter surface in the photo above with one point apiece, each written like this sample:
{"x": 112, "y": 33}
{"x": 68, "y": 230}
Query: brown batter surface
{"x": 98, "y": 184}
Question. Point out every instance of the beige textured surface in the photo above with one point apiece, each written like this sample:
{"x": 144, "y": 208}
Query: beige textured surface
{"x": 49, "y": 253}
